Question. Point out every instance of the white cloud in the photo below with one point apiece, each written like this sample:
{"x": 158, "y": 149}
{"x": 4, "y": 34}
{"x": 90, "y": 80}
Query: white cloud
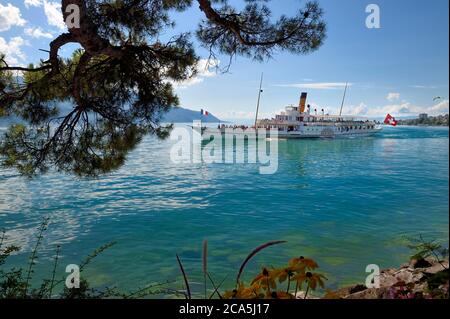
{"x": 360, "y": 109}
{"x": 393, "y": 96}
{"x": 440, "y": 108}
{"x": 205, "y": 69}
{"x": 54, "y": 14}
{"x": 12, "y": 50}
{"x": 316, "y": 86}
{"x": 38, "y": 33}
{"x": 10, "y": 16}
{"x": 33, "y": 3}
{"x": 424, "y": 86}
{"x": 399, "y": 109}
{"x": 244, "y": 115}
{"x": 234, "y": 115}
{"x": 187, "y": 83}
{"x": 52, "y": 11}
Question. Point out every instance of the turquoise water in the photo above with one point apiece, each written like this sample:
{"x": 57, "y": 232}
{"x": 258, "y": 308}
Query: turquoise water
{"x": 346, "y": 203}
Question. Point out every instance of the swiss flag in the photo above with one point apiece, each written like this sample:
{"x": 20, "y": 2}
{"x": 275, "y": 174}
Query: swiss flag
{"x": 390, "y": 120}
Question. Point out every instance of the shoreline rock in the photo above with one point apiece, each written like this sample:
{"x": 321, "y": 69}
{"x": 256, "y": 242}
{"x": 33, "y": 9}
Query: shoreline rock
{"x": 427, "y": 278}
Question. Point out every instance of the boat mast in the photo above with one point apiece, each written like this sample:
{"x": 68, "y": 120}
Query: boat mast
{"x": 259, "y": 98}
{"x": 343, "y": 98}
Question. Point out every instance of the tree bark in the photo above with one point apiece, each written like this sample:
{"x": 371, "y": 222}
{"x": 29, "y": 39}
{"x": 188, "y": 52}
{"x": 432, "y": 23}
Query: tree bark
{"x": 86, "y": 35}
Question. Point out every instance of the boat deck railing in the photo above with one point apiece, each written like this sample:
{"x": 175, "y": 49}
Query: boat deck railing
{"x": 323, "y": 123}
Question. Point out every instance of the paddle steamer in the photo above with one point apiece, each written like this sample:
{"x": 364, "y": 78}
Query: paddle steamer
{"x": 300, "y": 122}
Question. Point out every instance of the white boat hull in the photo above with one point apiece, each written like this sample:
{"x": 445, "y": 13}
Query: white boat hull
{"x": 207, "y": 133}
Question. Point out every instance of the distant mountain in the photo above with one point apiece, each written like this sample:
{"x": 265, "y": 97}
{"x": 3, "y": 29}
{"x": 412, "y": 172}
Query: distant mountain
{"x": 175, "y": 115}
{"x": 181, "y": 115}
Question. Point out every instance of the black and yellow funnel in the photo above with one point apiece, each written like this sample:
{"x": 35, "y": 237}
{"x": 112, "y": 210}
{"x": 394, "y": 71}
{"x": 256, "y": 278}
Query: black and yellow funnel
{"x": 302, "y": 103}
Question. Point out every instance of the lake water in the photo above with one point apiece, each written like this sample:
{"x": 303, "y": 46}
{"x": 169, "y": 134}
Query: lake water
{"x": 346, "y": 203}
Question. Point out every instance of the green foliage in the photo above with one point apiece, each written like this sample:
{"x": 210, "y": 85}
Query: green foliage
{"x": 251, "y": 33}
{"x": 118, "y": 85}
{"x": 7, "y": 251}
{"x": 438, "y": 279}
{"x": 17, "y": 282}
{"x": 431, "y": 285}
{"x": 424, "y": 249}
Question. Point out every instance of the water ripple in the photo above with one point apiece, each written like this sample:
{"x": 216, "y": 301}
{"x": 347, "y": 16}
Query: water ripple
{"x": 346, "y": 202}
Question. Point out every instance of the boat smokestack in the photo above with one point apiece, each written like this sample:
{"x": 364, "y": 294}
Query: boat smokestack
{"x": 302, "y": 103}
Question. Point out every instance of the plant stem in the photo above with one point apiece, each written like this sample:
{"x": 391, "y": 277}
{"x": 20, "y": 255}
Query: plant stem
{"x": 188, "y": 290}
{"x": 289, "y": 284}
{"x": 54, "y": 272}
{"x": 432, "y": 250}
{"x": 33, "y": 256}
{"x": 216, "y": 288}
{"x": 204, "y": 277}
{"x": 307, "y": 290}
{"x": 3, "y": 238}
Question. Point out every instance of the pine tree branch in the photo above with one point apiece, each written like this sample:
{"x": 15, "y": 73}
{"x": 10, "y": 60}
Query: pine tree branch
{"x": 239, "y": 29}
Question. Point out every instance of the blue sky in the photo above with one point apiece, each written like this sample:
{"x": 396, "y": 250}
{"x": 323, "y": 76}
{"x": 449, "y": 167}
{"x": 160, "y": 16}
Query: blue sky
{"x": 398, "y": 68}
